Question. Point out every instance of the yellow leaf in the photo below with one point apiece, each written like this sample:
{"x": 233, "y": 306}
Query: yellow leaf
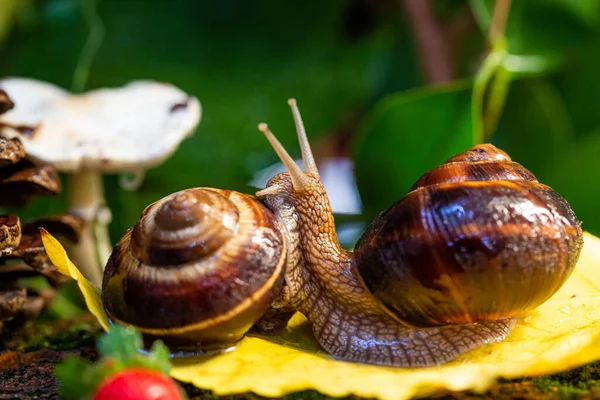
{"x": 91, "y": 293}
{"x": 561, "y": 334}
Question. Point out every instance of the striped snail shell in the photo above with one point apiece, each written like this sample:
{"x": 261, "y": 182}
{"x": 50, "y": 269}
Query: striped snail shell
{"x": 477, "y": 238}
{"x": 197, "y": 270}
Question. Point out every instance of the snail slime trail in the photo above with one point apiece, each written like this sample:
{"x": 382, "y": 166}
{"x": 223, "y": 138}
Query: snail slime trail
{"x": 475, "y": 244}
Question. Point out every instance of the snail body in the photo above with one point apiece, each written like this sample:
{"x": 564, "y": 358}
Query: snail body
{"x": 436, "y": 274}
{"x": 476, "y": 243}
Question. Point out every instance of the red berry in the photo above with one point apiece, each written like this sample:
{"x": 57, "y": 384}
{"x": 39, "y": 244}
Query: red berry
{"x": 138, "y": 384}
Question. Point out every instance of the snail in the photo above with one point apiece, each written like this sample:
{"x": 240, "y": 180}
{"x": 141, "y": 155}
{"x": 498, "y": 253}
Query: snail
{"x": 197, "y": 270}
{"x": 476, "y": 243}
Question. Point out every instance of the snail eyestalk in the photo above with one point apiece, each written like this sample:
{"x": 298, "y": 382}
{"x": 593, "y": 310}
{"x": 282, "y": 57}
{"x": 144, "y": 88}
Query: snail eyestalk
{"x": 310, "y": 166}
{"x": 299, "y": 180}
{"x": 270, "y": 190}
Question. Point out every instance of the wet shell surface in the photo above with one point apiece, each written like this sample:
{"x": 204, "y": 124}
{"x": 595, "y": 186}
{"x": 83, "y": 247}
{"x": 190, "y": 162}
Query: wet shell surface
{"x": 477, "y": 238}
{"x": 197, "y": 270}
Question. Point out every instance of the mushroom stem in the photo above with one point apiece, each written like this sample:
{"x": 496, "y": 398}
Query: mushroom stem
{"x": 85, "y": 191}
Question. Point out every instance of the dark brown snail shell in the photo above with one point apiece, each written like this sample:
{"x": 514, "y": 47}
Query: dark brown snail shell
{"x": 477, "y": 238}
{"x": 197, "y": 270}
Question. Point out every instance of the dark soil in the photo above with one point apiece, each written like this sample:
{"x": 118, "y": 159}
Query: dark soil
{"x": 30, "y": 354}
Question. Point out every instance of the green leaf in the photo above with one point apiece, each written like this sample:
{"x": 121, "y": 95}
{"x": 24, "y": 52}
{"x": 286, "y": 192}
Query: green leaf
{"x": 120, "y": 343}
{"x": 527, "y": 28}
{"x": 119, "y": 349}
{"x": 69, "y": 386}
{"x": 78, "y": 379}
{"x": 123, "y": 345}
{"x": 529, "y": 34}
{"x": 586, "y": 11}
{"x": 157, "y": 359}
{"x": 535, "y": 127}
{"x": 580, "y": 86}
{"x": 575, "y": 174}
{"x": 9, "y": 12}
{"x": 405, "y": 135}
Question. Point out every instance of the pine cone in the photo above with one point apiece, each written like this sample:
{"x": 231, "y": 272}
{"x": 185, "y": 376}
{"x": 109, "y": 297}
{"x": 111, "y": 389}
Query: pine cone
{"x": 21, "y": 251}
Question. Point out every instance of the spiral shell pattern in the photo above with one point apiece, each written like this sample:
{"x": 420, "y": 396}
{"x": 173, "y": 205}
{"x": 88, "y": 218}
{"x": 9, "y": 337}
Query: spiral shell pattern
{"x": 198, "y": 268}
{"x": 478, "y": 238}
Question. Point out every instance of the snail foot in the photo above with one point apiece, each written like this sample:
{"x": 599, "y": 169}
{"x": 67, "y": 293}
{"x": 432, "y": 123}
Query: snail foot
{"x": 381, "y": 343}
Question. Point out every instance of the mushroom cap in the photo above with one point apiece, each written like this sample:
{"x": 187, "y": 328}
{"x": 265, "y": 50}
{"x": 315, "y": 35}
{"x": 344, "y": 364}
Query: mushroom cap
{"x": 129, "y": 128}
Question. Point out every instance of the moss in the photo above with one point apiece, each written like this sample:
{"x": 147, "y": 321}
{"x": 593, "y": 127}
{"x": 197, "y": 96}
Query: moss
{"x": 311, "y": 395}
{"x": 79, "y": 335}
{"x": 199, "y": 394}
{"x": 54, "y": 335}
{"x": 577, "y": 383}
{"x": 194, "y": 393}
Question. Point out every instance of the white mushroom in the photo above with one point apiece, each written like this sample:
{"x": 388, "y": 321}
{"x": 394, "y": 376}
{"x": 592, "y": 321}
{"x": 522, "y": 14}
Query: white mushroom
{"x": 109, "y": 130}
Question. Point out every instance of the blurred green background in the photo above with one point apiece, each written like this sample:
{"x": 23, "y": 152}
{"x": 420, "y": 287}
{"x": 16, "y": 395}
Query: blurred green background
{"x": 389, "y": 84}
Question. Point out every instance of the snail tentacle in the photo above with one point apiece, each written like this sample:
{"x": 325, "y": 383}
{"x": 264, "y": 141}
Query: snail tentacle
{"x": 310, "y": 166}
{"x": 298, "y": 177}
{"x": 273, "y": 189}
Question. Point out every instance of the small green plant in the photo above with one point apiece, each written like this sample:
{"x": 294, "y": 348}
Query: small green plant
{"x": 122, "y": 371}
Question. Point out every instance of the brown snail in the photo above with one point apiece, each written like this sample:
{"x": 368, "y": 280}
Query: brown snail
{"x": 197, "y": 270}
{"x": 475, "y": 243}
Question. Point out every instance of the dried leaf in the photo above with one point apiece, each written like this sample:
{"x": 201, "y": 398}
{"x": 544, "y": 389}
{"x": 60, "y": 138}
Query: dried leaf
{"x": 91, "y": 293}
{"x": 31, "y": 251}
{"x": 34, "y": 180}
{"x": 11, "y": 301}
{"x": 22, "y": 180}
{"x": 35, "y": 304}
{"x": 561, "y": 334}
{"x": 68, "y": 226}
